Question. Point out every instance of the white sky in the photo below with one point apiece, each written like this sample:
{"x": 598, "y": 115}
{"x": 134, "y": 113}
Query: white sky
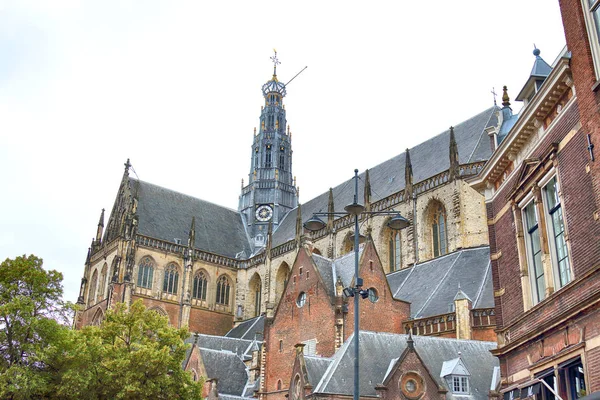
{"x": 175, "y": 86}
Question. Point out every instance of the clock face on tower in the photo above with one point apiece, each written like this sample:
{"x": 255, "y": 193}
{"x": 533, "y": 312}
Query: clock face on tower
{"x": 264, "y": 213}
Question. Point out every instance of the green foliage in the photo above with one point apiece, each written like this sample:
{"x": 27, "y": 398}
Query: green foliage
{"x": 134, "y": 354}
{"x": 31, "y": 309}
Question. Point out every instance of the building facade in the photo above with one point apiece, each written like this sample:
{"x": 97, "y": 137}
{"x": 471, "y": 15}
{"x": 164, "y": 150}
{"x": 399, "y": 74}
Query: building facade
{"x": 542, "y": 209}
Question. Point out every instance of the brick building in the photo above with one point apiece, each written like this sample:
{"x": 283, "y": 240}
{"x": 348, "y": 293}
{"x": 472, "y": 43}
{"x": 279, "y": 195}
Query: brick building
{"x": 542, "y": 202}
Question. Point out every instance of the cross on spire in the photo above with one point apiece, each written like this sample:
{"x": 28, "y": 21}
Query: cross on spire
{"x": 275, "y": 61}
{"x": 494, "y": 94}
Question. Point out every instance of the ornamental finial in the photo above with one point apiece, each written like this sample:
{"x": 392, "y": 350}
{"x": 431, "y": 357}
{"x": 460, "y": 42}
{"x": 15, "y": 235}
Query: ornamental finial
{"x": 275, "y": 61}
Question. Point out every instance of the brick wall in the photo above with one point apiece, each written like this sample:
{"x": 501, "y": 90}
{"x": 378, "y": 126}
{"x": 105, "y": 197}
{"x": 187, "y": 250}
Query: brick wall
{"x": 411, "y": 364}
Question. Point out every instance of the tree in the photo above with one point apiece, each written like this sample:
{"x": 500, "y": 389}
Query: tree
{"x": 31, "y": 312}
{"x": 133, "y": 354}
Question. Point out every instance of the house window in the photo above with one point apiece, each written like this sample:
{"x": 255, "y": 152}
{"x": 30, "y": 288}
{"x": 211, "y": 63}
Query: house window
{"x": 171, "y": 279}
{"x": 572, "y": 374}
{"x": 395, "y": 251}
{"x": 460, "y": 384}
{"x": 534, "y": 251}
{"x": 591, "y": 10}
{"x": 556, "y": 227}
{"x": 223, "y": 288}
{"x": 310, "y": 347}
{"x": 438, "y": 227}
{"x": 145, "y": 273}
{"x": 200, "y": 286}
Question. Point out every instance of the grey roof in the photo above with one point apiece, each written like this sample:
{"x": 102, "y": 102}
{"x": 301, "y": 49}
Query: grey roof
{"x": 233, "y": 345}
{"x": 431, "y": 286}
{"x": 248, "y": 329}
{"x": 228, "y": 368}
{"x": 388, "y": 177}
{"x": 316, "y": 367}
{"x": 378, "y": 349}
{"x": 540, "y": 67}
{"x": 330, "y": 270}
{"x": 506, "y": 126}
{"x": 165, "y": 214}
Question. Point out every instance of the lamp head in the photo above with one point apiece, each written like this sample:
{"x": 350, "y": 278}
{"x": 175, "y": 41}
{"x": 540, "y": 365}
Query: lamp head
{"x": 314, "y": 223}
{"x": 398, "y": 222}
{"x": 348, "y": 292}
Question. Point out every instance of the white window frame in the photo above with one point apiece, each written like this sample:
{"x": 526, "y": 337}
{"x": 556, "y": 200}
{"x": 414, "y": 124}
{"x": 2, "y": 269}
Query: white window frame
{"x": 536, "y": 297}
{"x": 463, "y": 384}
{"x": 593, "y": 30}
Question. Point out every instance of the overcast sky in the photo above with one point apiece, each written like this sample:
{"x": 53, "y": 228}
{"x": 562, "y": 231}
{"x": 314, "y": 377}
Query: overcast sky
{"x": 175, "y": 87}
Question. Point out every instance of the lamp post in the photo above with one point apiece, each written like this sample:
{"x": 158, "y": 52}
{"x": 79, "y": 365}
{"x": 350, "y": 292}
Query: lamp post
{"x": 315, "y": 223}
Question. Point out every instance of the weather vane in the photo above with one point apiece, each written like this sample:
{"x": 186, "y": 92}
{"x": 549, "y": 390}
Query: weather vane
{"x": 275, "y": 62}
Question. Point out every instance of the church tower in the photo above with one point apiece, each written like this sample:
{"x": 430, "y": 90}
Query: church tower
{"x": 270, "y": 193}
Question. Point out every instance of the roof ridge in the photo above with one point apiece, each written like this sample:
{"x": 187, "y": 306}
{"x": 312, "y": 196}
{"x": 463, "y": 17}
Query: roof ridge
{"x": 223, "y": 337}
{"x": 480, "y": 291}
{"x": 336, "y": 359}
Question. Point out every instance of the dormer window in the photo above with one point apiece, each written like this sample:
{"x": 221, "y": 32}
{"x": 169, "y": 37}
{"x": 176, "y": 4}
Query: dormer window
{"x": 460, "y": 384}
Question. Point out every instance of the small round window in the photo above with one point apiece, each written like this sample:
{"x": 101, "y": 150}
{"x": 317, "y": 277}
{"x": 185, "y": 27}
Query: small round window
{"x": 373, "y": 295}
{"x": 301, "y": 300}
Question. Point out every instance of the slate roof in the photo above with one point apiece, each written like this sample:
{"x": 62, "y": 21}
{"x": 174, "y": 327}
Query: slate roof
{"x": 431, "y": 286}
{"x": 331, "y": 269}
{"x": 166, "y": 214}
{"x": 316, "y": 367}
{"x": 228, "y": 368}
{"x": 506, "y": 126}
{"x": 377, "y": 350}
{"x": 248, "y": 329}
{"x": 233, "y": 345}
{"x": 428, "y": 159}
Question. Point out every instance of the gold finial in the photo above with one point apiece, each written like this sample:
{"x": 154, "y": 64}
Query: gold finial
{"x": 277, "y": 124}
{"x": 505, "y": 99}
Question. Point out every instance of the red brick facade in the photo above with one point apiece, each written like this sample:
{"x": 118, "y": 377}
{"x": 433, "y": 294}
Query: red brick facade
{"x": 543, "y": 338}
{"x": 326, "y": 319}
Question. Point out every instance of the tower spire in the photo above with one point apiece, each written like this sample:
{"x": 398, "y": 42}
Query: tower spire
{"x": 330, "y": 210}
{"x": 100, "y": 228}
{"x": 367, "y": 191}
{"x": 408, "y": 178}
{"x": 275, "y": 61}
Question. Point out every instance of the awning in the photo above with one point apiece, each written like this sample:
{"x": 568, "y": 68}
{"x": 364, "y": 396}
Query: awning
{"x": 513, "y": 394}
{"x": 531, "y": 390}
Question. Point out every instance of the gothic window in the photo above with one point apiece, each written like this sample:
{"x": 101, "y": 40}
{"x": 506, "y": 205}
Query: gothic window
{"x": 145, "y": 273}
{"x": 92, "y": 292}
{"x": 200, "y": 286}
{"x": 297, "y": 389}
{"x": 438, "y": 230}
{"x": 268, "y": 157}
{"x": 282, "y": 157}
{"x": 171, "y": 279}
{"x": 257, "y": 290}
{"x": 256, "y": 158}
{"x": 102, "y": 282}
{"x": 279, "y": 384}
{"x": 395, "y": 251}
{"x": 223, "y": 288}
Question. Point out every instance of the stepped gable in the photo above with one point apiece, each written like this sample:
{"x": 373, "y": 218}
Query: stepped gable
{"x": 248, "y": 329}
{"x": 166, "y": 214}
{"x": 378, "y": 350}
{"x": 388, "y": 177}
{"x": 228, "y": 368}
{"x": 431, "y": 286}
{"x": 316, "y": 368}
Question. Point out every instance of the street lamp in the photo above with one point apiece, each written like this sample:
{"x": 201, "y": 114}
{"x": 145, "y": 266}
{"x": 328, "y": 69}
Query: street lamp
{"x": 315, "y": 223}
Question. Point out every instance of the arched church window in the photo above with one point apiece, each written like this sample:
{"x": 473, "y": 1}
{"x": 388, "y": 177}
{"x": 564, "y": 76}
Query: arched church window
{"x": 257, "y": 297}
{"x": 438, "y": 227}
{"x": 92, "y": 292}
{"x": 171, "y": 279}
{"x": 282, "y": 157}
{"x": 395, "y": 250}
{"x": 256, "y": 158}
{"x": 268, "y": 157}
{"x": 145, "y": 273}
{"x": 102, "y": 282}
{"x": 200, "y": 286}
{"x": 223, "y": 288}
